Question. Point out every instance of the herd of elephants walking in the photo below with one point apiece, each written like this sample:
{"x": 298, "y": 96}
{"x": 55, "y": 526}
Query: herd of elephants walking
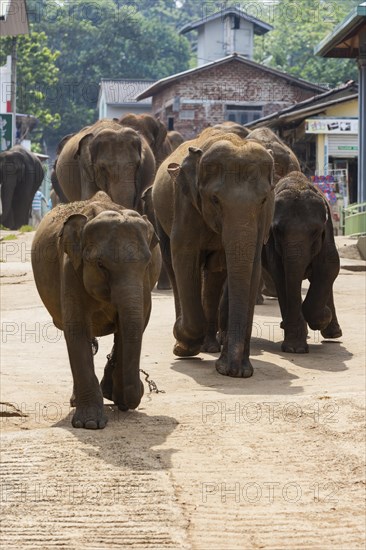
{"x": 217, "y": 218}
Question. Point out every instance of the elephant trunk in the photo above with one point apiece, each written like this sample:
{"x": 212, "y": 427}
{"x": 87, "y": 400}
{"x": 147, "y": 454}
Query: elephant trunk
{"x": 241, "y": 258}
{"x": 127, "y": 388}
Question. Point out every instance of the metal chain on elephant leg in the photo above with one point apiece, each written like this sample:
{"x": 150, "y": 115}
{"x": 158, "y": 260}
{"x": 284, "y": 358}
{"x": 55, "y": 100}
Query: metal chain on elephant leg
{"x": 152, "y": 385}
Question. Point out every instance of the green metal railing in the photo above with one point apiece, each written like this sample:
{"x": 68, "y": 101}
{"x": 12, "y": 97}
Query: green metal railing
{"x": 355, "y": 219}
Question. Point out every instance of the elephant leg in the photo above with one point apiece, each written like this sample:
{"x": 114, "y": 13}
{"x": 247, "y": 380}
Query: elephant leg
{"x": 333, "y": 330}
{"x": 106, "y": 383}
{"x": 318, "y": 307}
{"x": 189, "y": 328}
{"x": 269, "y": 287}
{"x": 167, "y": 263}
{"x": 212, "y": 285}
{"x": 88, "y": 396}
{"x": 164, "y": 281}
{"x": 288, "y": 290}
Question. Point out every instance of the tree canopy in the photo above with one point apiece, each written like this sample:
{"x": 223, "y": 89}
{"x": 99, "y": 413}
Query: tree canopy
{"x": 75, "y": 43}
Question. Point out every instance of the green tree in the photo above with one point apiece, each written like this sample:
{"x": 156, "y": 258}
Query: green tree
{"x": 298, "y": 27}
{"x": 37, "y": 78}
{"x": 107, "y": 39}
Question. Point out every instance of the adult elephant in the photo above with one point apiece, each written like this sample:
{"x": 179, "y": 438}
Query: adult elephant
{"x": 153, "y": 130}
{"x": 301, "y": 246}
{"x": 285, "y": 160}
{"x": 213, "y": 198}
{"x": 21, "y": 174}
{"x": 107, "y": 157}
{"x": 175, "y": 139}
{"x": 105, "y": 261}
{"x": 233, "y": 128}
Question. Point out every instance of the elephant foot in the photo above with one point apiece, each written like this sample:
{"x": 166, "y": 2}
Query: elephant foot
{"x": 291, "y": 346}
{"x": 210, "y": 345}
{"x": 90, "y": 417}
{"x": 164, "y": 285}
{"x": 184, "y": 350}
{"x": 131, "y": 403}
{"x": 318, "y": 321}
{"x": 333, "y": 330}
{"x": 243, "y": 369}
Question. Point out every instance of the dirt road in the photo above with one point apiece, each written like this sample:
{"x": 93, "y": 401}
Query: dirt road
{"x": 273, "y": 462}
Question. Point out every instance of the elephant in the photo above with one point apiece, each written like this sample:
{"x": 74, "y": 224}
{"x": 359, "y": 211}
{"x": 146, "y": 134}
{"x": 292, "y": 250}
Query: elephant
{"x": 301, "y": 246}
{"x": 95, "y": 264}
{"x": 153, "y": 130}
{"x": 213, "y": 198}
{"x": 107, "y": 157}
{"x": 233, "y": 128}
{"x": 285, "y": 160}
{"x": 21, "y": 174}
{"x": 57, "y": 189}
{"x": 175, "y": 139}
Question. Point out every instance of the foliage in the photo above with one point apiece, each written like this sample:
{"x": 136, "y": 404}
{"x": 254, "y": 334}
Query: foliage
{"x": 107, "y": 39}
{"x": 37, "y": 77}
{"x": 26, "y": 229}
{"x": 298, "y": 27}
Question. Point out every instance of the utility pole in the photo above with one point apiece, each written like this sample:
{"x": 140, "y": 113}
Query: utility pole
{"x": 13, "y": 95}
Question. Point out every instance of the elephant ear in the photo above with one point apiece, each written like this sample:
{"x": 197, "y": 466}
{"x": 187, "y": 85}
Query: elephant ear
{"x": 70, "y": 238}
{"x": 152, "y": 237}
{"x": 185, "y": 176}
{"x": 84, "y": 141}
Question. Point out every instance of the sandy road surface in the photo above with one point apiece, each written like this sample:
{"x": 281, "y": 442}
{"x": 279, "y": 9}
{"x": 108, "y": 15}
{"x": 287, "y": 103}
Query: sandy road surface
{"x": 274, "y": 462}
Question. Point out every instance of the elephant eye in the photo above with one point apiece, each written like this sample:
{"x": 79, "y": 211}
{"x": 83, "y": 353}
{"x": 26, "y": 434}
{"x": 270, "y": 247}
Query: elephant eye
{"x": 215, "y": 199}
{"x": 264, "y": 200}
{"x": 100, "y": 264}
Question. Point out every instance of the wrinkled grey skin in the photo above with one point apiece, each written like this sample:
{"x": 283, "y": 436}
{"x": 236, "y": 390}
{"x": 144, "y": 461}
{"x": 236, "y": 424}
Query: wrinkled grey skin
{"x": 153, "y": 130}
{"x": 233, "y": 128}
{"x": 107, "y": 157}
{"x": 21, "y": 174}
{"x": 95, "y": 264}
{"x": 301, "y": 246}
{"x": 285, "y": 160}
{"x": 175, "y": 139}
{"x": 213, "y": 198}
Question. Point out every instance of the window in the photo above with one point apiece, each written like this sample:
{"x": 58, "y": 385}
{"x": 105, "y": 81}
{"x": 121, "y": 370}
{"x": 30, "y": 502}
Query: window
{"x": 170, "y": 123}
{"x": 243, "y": 114}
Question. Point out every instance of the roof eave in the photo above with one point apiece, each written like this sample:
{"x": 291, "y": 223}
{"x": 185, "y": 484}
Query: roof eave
{"x": 327, "y": 46}
{"x": 167, "y": 80}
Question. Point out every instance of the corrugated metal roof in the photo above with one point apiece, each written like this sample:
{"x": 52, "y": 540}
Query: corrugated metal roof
{"x": 158, "y": 86}
{"x": 313, "y": 105}
{"x": 120, "y": 92}
{"x": 13, "y": 17}
{"x": 260, "y": 27}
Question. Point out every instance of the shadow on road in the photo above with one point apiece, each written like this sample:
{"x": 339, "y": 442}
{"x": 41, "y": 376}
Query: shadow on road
{"x": 128, "y": 440}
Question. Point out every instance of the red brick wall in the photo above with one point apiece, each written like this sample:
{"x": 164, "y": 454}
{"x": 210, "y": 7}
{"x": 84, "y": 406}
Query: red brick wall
{"x": 227, "y": 83}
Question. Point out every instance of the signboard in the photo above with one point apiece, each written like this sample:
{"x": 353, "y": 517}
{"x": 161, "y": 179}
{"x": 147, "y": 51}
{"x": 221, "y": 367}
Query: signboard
{"x": 6, "y": 131}
{"x": 331, "y": 126}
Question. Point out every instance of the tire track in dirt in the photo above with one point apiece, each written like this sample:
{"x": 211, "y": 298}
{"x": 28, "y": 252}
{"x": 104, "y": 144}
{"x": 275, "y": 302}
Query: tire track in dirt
{"x": 64, "y": 490}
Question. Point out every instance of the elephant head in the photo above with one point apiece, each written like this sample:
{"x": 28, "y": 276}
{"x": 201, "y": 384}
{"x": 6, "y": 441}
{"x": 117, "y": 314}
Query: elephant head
{"x": 116, "y": 160}
{"x": 153, "y": 131}
{"x": 285, "y": 160}
{"x": 112, "y": 253}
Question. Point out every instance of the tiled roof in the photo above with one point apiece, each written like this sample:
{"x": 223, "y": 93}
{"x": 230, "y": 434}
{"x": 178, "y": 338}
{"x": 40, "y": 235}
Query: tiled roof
{"x": 160, "y": 84}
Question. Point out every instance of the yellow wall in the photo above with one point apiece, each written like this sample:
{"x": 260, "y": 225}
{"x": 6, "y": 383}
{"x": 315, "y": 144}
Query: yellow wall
{"x": 347, "y": 109}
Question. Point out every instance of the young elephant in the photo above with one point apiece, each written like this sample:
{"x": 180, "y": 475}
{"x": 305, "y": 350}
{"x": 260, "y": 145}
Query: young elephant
{"x": 301, "y": 246}
{"x": 95, "y": 264}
